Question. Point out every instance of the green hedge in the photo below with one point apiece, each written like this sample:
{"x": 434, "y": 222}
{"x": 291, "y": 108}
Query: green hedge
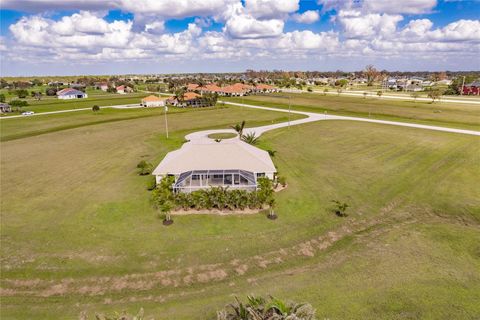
{"x": 165, "y": 199}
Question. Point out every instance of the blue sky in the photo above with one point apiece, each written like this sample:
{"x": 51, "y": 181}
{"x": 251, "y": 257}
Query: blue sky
{"x": 49, "y": 37}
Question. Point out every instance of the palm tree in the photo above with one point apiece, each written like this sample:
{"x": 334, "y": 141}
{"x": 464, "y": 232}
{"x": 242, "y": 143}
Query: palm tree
{"x": 258, "y": 308}
{"x": 250, "y": 138}
{"x": 166, "y": 207}
{"x": 179, "y": 94}
{"x": 239, "y": 128}
{"x": 271, "y": 203}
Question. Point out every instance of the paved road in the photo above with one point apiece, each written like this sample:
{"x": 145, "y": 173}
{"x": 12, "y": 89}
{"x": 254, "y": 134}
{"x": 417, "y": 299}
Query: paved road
{"x": 402, "y": 97}
{"x": 202, "y": 136}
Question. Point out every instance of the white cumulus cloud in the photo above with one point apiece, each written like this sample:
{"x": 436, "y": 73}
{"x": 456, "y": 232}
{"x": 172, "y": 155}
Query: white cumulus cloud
{"x": 307, "y": 17}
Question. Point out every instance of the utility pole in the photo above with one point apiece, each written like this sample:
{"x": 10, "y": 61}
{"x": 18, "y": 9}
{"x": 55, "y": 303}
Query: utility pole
{"x": 463, "y": 84}
{"x": 166, "y": 121}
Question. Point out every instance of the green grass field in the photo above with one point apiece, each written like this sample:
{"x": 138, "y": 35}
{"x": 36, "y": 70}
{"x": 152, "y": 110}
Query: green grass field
{"x": 442, "y": 114}
{"x": 78, "y": 232}
{"x": 98, "y": 97}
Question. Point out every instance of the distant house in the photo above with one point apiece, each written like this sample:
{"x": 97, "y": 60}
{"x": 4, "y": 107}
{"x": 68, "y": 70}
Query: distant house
{"x": 189, "y": 99}
{"x": 5, "y": 107}
{"x": 472, "y": 88}
{"x": 120, "y": 89}
{"x": 192, "y": 86}
{"x": 102, "y": 86}
{"x": 70, "y": 93}
{"x": 265, "y": 88}
{"x": 153, "y": 101}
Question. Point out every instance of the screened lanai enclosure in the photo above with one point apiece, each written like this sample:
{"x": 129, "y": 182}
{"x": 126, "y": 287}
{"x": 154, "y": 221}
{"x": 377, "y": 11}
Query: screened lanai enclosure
{"x": 231, "y": 163}
{"x": 200, "y": 179}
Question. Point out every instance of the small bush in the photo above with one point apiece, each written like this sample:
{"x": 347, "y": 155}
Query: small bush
{"x": 340, "y": 208}
{"x": 282, "y": 180}
{"x": 95, "y": 108}
{"x": 151, "y": 183}
{"x": 144, "y": 168}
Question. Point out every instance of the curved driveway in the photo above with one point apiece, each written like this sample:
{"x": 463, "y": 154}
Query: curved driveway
{"x": 202, "y": 136}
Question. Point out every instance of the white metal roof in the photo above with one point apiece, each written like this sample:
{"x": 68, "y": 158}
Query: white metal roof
{"x": 224, "y": 155}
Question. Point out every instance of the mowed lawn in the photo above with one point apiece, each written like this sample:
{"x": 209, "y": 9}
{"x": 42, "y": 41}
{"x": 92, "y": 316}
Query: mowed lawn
{"x": 96, "y": 97}
{"x": 78, "y": 232}
{"x": 455, "y": 115}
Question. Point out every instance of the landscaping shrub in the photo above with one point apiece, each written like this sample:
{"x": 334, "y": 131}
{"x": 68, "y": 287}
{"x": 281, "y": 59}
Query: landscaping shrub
{"x": 151, "y": 183}
{"x": 340, "y": 208}
{"x": 282, "y": 180}
{"x": 144, "y": 168}
{"x": 259, "y": 308}
{"x": 213, "y": 198}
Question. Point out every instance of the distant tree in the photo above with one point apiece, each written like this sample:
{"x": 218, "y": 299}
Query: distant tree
{"x": 51, "y": 91}
{"x": 365, "y": 94}
{"x": 21, "y": 93}
{"x": 95, "y": 108}
{"x": 371, "y": 74}
{"x": 325, "y": 90}
{"x": 309, "y": 89}
{"x": 18, "y": 104}
{"x": 379, "y": 94}
{"x": 341, "y": 83}
{"x": 112, "y": 90}
{"x": 434, "y": 94}
{"x": 339, "y": 90}
{"x": 2, "y": 97}
{"x": 38, "y": 96}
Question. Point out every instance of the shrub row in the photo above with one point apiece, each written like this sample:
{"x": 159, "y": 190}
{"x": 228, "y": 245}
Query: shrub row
{"x": 165, "y": 199}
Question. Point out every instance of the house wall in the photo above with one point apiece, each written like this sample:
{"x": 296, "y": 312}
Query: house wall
{"x": 154, "y": 103}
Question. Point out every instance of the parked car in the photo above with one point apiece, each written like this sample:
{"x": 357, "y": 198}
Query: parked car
{"x": 27, "y": 113}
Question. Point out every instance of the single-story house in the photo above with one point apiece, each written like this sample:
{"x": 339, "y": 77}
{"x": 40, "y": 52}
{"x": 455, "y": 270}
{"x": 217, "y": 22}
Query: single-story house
{"x": 69, "y": 93}
{"x": 153, "y": 101}
{"x": 192, "y": 86}
{"x": 472, "y": 88}
{"x": 123, "y": 89}
{"x": 189, "y": 99}
{"x": 5, "y": 107}
{"x": 229, "y": 163}
{"x": 102, "y": 86}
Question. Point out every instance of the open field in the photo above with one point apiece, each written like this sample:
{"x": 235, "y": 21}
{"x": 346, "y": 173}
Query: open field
{"x": 441, "y": 114}
{"x": 30, "y": 126}
{"x": 78, "y": 232}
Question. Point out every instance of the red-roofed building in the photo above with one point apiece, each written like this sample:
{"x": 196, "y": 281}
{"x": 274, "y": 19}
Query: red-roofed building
{"x": 472, "y": 88}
